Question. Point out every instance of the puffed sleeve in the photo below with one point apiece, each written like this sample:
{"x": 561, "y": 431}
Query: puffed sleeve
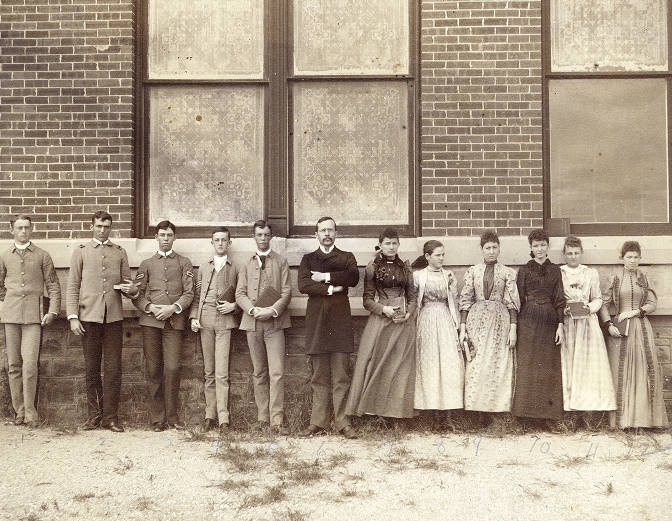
{"x": 511, "y": 297}
{"x": 595, "y": 297}
{"x": 559, "y": 299}
{"x": 467, "y": 295}
{"x": 521, "y": 284}
{"x": 651, "y": 300}
{"x": 369, "y": 295}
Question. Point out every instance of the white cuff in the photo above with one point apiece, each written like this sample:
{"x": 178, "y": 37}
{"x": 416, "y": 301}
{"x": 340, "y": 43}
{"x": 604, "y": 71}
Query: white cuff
{"x": 250, "y": 311}
{"x": 72, "y": 316}
{"x": 327, "y": 278}
{"x": 275, "y": 312}
{"x": 179, "y": 308}
{"x": 330, "y": 290}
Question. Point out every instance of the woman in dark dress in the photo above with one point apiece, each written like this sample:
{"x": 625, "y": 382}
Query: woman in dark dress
{"x": 383, "y": 381}
{"x": 538, "y": 389}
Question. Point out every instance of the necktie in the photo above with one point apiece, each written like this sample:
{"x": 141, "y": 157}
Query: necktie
{"x": 262, "y": 259}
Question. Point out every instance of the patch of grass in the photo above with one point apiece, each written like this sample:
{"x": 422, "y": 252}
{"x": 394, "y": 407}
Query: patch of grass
{"x": 230, "y": 484}
{"x": 66, "y": 430}
{"x": 273, "y": 494}
{"x": 195, "y": 435}
{"x": 83, "y": 497}
{"x": 304, "y": 473}
{"x": 241, "y": 458}
{"x": 572, "y": 461}
{"x": 355, "y": 477}
{"x": 609, "y": 489}
{"x": 665, "y": 466}
{"x": 143, "y": 503}
{"x": 348, "y": 492}
{"x": 289, "y": 515}
{"x": 426, "y": 463}
{"x": 512, "y": 463}
{"x": 123, "y": 466}
{"x": 340, "y": 459}
{"x": 531, "y": 493}
{"x": 30, "y": 517}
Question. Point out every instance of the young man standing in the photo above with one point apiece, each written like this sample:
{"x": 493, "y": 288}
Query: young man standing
{"x": 166, "y": 285}
{"x": 212, "y": 314}
{"x": 264, "y": 293}
{"x": 94, "y": 310}
{"x": 325, "y": 275}
{"x": 25, "y": 270}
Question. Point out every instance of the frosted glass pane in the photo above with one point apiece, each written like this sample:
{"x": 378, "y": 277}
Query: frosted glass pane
{"x": 206, "y": 155}
{"x": 351, "y": 152}
{"x": 609, "y": 150}
{"x": 206, "y": 39}
{"x": 350, "y": 37}
{"x": 608, "y": 35}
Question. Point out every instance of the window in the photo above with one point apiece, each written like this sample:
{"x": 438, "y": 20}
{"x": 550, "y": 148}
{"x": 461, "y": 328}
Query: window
{"x": 287, "y": 110}
{"x": 607, "y": 115}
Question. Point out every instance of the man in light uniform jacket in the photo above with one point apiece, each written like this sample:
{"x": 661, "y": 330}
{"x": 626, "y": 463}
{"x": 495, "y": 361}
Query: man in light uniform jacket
{"x": 263, "y": 293}
{"x": 25, "y": 270}
{"x": 166, "y": 285}
{"x": 97, "y": 269}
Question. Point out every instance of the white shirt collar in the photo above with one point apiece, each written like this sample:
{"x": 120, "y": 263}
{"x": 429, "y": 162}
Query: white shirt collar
{"x": 219, "y": 262}
{"x": 107, "y": 241}
{"x": 169, "y": 252}
{"x": 22, "y": 246}
{"x": 263, "y": 252}
{"x": 327, "y": 250}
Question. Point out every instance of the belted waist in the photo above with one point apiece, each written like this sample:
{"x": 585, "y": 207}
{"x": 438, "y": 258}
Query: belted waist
{"x": 539, "y": 301}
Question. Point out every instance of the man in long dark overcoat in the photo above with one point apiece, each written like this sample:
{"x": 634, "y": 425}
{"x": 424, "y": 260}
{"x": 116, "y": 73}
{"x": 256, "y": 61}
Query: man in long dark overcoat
{"x": 325, "y": 275}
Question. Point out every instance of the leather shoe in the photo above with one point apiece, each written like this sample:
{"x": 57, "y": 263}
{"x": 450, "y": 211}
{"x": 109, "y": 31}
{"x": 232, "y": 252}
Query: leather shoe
{"x": 280, "y": 430}
{"x": 349, "y": 433}
{"x": 33, "y": 424}
{"x": 223, "y": 429}
{"x": 311, "y": 430}
{"x": 178, "y": 425}
{"x": 260, "y": 426}
{"x": 112, "y": 426}
{"x": 208, "y": 424}
{"x": 19, "y": 420}
{"x": 158, "y": 427}
{"x": 91, "y": 423}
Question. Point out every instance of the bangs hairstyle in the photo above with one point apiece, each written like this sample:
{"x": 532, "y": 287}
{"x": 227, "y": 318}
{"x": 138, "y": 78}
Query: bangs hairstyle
{"x": 101, "y": 215}
{"x": 572, "y": 242}
{"x": 164, "y": 225}
{"x": 20, "y": 217}
{"x": 388, "y": 233}
{"x": 538, "y": 235}
{"x": 631, "y": 246}
{"x": 221, "y": 229}
{"x": 487, "y": 237}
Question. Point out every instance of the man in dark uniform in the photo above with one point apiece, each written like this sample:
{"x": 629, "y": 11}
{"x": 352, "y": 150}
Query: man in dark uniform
{"x": 166, "y": 285}
{"x": 325, "y": 275}
{"x": 94, "y": 310}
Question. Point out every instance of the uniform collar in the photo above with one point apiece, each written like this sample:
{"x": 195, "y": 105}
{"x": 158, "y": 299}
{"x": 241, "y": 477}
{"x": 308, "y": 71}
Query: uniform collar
{"x": 28, "y": 246}
{"x": 160, "y": 254}
{"x": 327, "y": 251}
{"x": 97, "y": 243}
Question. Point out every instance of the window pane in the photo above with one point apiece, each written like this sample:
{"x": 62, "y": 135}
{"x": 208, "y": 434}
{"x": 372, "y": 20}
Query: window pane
{"x": 351, "y": 152}
{"x": 608, "y": 35}
{"x": 351, "y": 37}
{"x": 206, "y": 155}
{"x": 609, "y": 150}
{"x": 206, "y": 39}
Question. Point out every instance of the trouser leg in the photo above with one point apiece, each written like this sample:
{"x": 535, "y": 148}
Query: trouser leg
{"x": 222, "y": 351}
{"x": 31, "y": 335}
{"x": 340, "y": 383}
{"x": 320, "y": 383}
{"x": 255, "y": 342}
{"x": 113, "y": 340}
{"x": 172, "y": 349}
{"x": 153, "y": 352}
{"x": 275, "y": 353}
{"x": 92, "y": 343}
{"x": 15, "y": 363}
{"x": 208, "y": 349}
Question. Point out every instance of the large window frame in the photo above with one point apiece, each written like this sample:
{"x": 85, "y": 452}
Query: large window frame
{"x": 277, "y": 81}
{"x": 659, "y": 228}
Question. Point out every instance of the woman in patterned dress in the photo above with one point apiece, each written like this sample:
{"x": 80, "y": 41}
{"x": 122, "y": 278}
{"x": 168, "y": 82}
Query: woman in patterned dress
{"x": 633, "y": 358}
{"x": 586, "y": 376}
{"x": 439, "y": 375}
{"x": 383, "y": 381}
{"x": 489, "y": 305}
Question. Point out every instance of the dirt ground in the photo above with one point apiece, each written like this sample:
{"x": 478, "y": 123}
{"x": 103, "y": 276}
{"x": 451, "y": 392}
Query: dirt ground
{"x": 60, "y": 474}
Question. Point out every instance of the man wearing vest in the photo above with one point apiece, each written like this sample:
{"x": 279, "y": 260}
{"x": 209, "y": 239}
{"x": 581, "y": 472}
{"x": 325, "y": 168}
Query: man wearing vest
{"x": 25, "y": 270}
{"x": 93, "y": 305}
{"x": 212, "y": 314}
{"x": 264, "y": 293}
{"x": 166, "y": 285}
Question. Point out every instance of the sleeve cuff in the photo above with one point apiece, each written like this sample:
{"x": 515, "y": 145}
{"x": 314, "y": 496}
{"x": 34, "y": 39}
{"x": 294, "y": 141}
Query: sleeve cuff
{"x": 249, "y": 311}
{"x": 330, "y": 290}
{"x": 73, "y": 316}
{"x": 275, "y": 312}
{"x": 327, "y": 278}
{"x": 179, "y": 308}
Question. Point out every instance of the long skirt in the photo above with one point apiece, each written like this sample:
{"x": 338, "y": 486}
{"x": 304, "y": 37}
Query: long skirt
{"x": 439, "y": 373}
{"x": 383, "y": 381}
{"x": 488, "y": 376}
{"x": 586, "y": 376}
{"x": 538, "y": 387}
{"x": 637, "y": 378}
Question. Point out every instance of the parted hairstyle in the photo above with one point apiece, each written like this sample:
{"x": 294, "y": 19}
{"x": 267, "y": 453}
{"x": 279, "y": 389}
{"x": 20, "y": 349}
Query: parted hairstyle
{"x": 101, "y": 215}
{"x": 20, "y": 217}
{"x": 261, "y": 224}
{"x": 538, "y": 235}
{"x": 388, "y": 233}
{"x": 427, "y": 249}
{"x": 221, "y": 229}
{"x": 631, "y": 246}
{"x": 489, "y": 236}
{"x": 572, "y": 241}
{"x": 164, "y": 225}
{"x": 325, "y": 218}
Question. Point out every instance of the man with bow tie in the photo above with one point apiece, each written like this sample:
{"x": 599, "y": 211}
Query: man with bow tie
{"x": 94, "y": 310}
{"x": 325, "y": 275}
{"x": 263, "y": 293}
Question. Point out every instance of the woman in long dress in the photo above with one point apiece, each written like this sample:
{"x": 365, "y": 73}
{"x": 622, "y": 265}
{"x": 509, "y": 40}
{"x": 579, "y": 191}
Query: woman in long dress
{"x": 383, "y": 381}
{"x": 439, "y": 374}
{"x": 586, "y": 376}
{"x": 489, "y": 305}
{"x": 538, "y": 376}
{"x": 633, "y": 358}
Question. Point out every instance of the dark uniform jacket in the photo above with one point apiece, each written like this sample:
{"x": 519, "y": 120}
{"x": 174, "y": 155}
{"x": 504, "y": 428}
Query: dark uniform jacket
{"x": 163, "y": 281}
{"x": 328, "y": 321}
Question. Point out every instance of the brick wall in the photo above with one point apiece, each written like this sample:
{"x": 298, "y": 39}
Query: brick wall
{"x": 481, "y": 117}
{"x": 66, "y": 118}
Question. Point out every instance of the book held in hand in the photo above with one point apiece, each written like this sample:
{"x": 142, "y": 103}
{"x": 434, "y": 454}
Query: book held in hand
{"x": 578, "y": 309}
{"x": 227, "y": 295}
{"x": 399, "y": 303}
{"x": 267, "y": 298}
{"x": 623, "y": 326}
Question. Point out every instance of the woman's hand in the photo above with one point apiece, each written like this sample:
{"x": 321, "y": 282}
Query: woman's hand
{"x": 613, "y": 331}
{"x": 513, "y": 338}
{"x": 560, "y": 335}
{"x": 388, "y": 311}
{"x": 627, "y": 314}
{"x": 401, "y": 319}
{"x": 463, "y": 333}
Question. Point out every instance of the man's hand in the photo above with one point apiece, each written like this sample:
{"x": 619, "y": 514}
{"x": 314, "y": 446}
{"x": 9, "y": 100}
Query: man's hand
{"x": 195, "y": 324}
{"x": 263, "y": 313}
{"x": 47, "y": 319}
{"x": 318, "y": 276}
{"x": 76, "y": 327}
{"x": 128, "y": 287}
{"x": 163, "y": 312}
{"x": 226, "y": 308}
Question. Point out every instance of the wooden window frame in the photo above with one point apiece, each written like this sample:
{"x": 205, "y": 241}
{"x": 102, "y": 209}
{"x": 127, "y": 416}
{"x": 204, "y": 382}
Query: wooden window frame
{"x": 588, "y": 229}
{"x": 277, "y": 81}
